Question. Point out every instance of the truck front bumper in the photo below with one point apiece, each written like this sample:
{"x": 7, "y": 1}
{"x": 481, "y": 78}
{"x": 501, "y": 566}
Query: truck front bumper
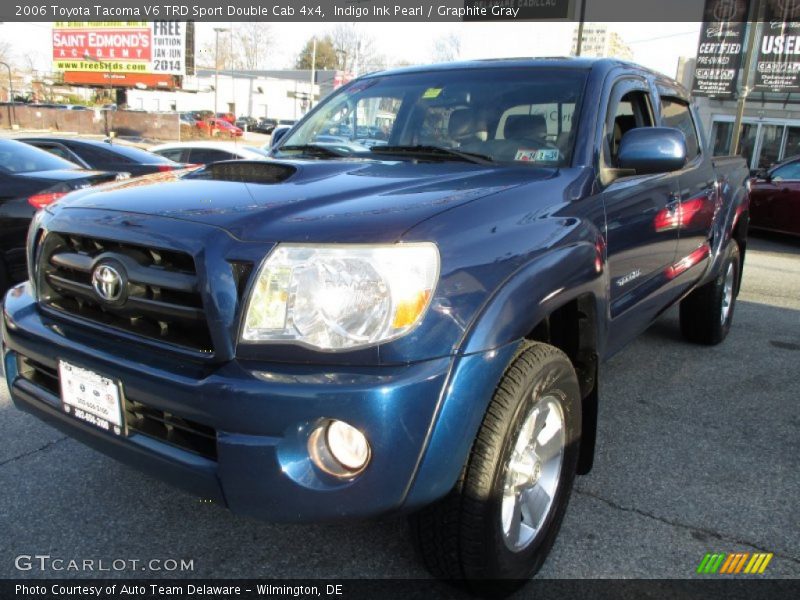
{"x": 259, "y": 415}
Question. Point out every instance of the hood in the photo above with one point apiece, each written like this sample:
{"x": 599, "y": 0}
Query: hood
{"x": 320, "y": 201}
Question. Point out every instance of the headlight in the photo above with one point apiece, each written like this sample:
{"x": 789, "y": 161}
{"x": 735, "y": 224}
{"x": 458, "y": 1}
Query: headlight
{"x": 340, "y": 297}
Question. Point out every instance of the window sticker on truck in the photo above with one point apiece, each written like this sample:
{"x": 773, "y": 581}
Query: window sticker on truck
{"x": 544, "y": 155}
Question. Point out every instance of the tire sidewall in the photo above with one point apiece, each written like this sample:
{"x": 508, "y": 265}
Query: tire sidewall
{"x": 555, "y": 378}
{"x": 731, "y": 258}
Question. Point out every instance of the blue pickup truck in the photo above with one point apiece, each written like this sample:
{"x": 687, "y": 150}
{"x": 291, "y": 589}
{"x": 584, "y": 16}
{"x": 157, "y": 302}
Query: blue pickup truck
{"x": 405, "y": 310}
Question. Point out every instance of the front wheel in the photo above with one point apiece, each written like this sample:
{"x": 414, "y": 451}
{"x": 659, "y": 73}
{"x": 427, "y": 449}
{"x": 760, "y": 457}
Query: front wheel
{"x": 501, "y": 519}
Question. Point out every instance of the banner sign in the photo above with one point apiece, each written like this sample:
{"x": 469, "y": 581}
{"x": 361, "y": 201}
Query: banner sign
{"x": 719, "y": 51}
{"x": 157, "y": 47}
{"x": 778, "y": 64}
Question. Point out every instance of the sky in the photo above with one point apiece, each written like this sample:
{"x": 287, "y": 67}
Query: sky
{"x": 655, "y": 45}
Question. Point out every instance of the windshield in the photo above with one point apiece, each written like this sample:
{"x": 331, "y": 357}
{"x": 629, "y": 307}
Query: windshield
{"x": 508, "y": 115}
{"x": 17, "y": 157}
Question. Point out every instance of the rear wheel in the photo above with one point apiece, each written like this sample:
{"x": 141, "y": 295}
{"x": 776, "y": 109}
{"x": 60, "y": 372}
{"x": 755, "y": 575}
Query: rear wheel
{"x": 707, "y": 313}
{"x": 501, "y": 519}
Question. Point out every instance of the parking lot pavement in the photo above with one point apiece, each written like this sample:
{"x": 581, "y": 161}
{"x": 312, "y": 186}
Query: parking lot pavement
{"x": 697, "y": 453}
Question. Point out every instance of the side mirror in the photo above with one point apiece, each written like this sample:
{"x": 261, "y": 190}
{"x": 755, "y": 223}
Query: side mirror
{"x": 277, "y": 136}
{"x": 649, "y": 150}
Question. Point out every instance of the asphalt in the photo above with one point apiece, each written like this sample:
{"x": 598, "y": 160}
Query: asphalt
{"x": 697, "y": 452}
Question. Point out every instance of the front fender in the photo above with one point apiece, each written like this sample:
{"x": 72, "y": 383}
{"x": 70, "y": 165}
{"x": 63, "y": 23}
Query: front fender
{"x": 536, "y": 290}
{"x": 492, "y": 342}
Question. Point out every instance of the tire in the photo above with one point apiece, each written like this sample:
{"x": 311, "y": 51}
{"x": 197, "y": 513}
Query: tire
{"x": 707, "y": 313}
{"x": 470, "y": 535}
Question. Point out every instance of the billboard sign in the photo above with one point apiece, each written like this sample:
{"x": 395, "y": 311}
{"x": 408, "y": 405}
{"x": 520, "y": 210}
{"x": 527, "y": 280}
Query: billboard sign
{"x": 778, "y": 64}
{"x": 719, "y": 51}
{"x": 157, "y": 47}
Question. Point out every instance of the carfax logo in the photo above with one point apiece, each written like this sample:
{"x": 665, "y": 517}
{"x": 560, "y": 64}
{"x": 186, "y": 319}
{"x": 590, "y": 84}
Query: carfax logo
{"x": 736, "y": 563}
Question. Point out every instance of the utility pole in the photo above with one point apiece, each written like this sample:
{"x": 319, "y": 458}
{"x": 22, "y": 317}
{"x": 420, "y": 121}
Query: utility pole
{"x": 313, "y": 72}
{"x": 579, "y": 45}
{"x": 12, "y": 111}
{"x": 217, "y": 31}
{"x": 757, "y": 10}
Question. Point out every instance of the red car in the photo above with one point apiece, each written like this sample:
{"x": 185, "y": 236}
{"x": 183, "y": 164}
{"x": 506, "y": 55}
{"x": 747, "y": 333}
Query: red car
{"x": 222, "y": 127}
{"x": 227, "y": 116}
{"x": 775, "y": 198}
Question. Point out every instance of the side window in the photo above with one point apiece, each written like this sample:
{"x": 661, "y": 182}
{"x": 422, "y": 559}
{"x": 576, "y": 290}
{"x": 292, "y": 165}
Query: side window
{"x": 203, "y": 156}
{"x": 174, "y": 154}
{"x": 631, "y": 111}
{"x": 58, "y": 151}
{"x": 675, "y": 113}
{"x": 790, "y": 172}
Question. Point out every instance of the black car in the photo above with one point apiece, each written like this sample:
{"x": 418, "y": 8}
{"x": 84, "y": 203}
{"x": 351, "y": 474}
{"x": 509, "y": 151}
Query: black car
{"x": 265, "y": 126}
{"x": 248, "y": 123}
{"x": 29, "y": 180}
{"x": 93, "y": 154}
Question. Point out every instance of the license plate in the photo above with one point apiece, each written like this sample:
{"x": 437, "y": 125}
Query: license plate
{"x": 90, "y": 397}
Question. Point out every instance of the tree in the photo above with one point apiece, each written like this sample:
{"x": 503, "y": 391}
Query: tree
{"x": 253, "y": 41}
{"x": 356, "y": 49}
{"x": 447, "y": 48}
{"x": 326, "y": 57}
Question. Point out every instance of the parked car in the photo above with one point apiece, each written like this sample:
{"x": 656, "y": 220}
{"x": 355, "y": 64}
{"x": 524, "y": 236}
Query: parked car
{"x": 201, "y": 153}
{"x": 415, "y": 327}
{"x": 93, "y": 154}
{"x": 775, "y": 198}
{"x": 29, "y": 180}
{"x": 277, "y": 134}
{"x": 226, "y": 116}
{"x": 265, "y": 126}
{"x": 223, "y": 128}
{"x": 248, "y": 123}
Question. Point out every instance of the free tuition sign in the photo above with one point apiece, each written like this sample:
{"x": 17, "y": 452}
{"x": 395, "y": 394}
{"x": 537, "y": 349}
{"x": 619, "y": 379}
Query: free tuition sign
{"x": 157, "y": 47}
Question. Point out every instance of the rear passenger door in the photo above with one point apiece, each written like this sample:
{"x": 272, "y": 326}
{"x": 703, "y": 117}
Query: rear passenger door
{"x": 698, "y": 190}
{"x": 640, "y": 240}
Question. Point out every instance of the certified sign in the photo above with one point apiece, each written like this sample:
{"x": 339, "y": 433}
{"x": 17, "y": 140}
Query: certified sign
{"x": 719, "y": 52}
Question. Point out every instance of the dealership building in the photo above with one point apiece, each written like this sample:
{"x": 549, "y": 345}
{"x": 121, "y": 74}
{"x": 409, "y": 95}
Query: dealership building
{"x": 279, "y": 94}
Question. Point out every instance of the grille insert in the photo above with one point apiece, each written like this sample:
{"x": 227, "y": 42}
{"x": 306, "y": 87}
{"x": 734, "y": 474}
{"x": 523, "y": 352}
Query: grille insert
{"x": 160, "y": 299}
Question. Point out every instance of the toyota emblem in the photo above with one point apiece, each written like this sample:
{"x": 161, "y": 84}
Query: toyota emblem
{"x": 108, "y": 283}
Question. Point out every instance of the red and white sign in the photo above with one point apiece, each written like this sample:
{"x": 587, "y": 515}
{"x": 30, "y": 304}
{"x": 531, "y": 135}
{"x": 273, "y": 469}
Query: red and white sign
{"x": 157, "y": 47}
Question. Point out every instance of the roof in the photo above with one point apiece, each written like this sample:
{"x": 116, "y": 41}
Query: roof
{"x": 563, "y": 62}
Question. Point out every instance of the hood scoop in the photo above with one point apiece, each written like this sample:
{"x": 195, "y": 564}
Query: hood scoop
{"x": 246, "y": 171}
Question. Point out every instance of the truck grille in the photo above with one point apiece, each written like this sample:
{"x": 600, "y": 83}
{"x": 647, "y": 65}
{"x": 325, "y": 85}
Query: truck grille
{"x": 139, "y": 418}
{"x": 159, "y": 295}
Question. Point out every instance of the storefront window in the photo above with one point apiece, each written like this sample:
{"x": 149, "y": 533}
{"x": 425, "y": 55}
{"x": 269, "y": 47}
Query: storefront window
{"x": 721, "y": 137}
{"x": 747, "y": 143}
{"x": 771, "y": 138}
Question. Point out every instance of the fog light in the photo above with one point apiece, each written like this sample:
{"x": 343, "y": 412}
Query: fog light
{"x": 339, "y": 449}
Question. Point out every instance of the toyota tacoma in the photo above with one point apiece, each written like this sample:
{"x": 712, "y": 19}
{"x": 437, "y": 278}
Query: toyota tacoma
{"x": 405, "y": 310}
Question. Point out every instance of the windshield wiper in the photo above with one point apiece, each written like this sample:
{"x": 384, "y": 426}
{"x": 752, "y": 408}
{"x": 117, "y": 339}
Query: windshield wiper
{"x": 434, "y": 152}
{"x": 313, "y": 150}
